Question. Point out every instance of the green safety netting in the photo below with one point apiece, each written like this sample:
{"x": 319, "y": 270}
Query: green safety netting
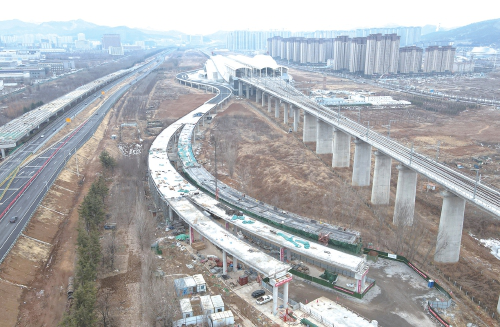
{"x": 183, "y": 191}
{"x": 181, "y": 237}
{"x": 289, "y": 239}
{"x": 329, "y": 276}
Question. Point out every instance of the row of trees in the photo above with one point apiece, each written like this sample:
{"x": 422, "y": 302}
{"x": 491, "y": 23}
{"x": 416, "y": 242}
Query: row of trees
{"x": 92, "y": 212}
{"x": 33, "y": 105}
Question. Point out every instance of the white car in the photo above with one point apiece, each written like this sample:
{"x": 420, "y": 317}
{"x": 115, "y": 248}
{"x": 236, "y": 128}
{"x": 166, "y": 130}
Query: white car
{"x": 264, "y": 299}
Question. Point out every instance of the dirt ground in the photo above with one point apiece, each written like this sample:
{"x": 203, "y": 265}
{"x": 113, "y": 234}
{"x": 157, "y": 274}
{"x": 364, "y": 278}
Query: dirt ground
{"x": 44, "y": 268}
{"x": 34, "y": 276}
{"x": 273, "y": 167}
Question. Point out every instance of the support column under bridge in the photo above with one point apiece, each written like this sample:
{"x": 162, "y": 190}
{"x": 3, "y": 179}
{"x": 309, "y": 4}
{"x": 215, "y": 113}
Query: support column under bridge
{"x": 362, "y": 163}
{"x": 381, "y": 189}
{"x": 450, "y": 228}
{"x": 341, "y": 149}
{"x": 309, "y": 131}
{"x": 324, "y": 137}
{"x": 404, "y": 207}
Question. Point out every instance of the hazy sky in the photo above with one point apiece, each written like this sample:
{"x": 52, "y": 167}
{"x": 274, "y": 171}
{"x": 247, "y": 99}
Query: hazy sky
{"x": 205, "y": 17}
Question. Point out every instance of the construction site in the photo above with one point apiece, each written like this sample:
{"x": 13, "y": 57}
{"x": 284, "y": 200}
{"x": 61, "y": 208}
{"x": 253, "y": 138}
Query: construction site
{"x": 261, "y": 161}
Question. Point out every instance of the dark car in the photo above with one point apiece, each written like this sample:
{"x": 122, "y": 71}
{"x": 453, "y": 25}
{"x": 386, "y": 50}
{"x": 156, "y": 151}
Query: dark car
{"x": 258, "y": 293}
{"x": 13, "y": 219}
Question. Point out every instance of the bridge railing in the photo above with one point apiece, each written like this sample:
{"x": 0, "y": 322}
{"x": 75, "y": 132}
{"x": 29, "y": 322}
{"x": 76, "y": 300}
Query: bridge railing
{"x": 464, "y": 186}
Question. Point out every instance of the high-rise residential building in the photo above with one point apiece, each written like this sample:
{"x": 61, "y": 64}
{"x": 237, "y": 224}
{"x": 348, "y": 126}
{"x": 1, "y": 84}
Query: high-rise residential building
{"x": 382, "y": 53}
{"x": 439, "y": 59}
{"x": 410, "y": 60}
{"x": 252, "y": 40}
{"x": 357, "y": 55}
{"x": 111, "y": 40}
{"x": 81, "y": 37}
{"x": 341, "y": 53}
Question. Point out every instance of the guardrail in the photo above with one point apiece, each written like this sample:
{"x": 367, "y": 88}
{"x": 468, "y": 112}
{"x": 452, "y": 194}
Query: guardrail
{"x": 54, "y": 175}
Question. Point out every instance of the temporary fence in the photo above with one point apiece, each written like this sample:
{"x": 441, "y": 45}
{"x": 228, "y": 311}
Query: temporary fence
{"x": 438, "y": 317}
{"x": 325, "y": 283}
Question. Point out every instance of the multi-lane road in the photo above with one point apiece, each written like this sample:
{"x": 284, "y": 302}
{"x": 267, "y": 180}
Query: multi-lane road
{"x": 33, "y": 179}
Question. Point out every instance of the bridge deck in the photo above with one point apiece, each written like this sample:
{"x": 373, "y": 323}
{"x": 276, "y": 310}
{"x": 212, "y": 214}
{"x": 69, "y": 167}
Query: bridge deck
{"x": 172, "y": 187}
{"x": 480, "y": 194}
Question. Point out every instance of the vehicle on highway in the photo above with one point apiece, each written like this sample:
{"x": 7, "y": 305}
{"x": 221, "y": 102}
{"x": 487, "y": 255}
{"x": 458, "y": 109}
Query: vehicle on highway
{"x": 264, "y": 299}
{"x": 42, "y": 136}
{"x": 13, "y": 219}
{"x": 258, "y": 293}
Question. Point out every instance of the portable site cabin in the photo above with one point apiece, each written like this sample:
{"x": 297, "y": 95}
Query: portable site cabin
{"x": 190, "y": 284}
{"x": 207, "y": 308}
{"x": 221, "y": 319}
{"x": 180, "y": 287}
{"x": 218, "y": 303}
{"x": 186, "y": 308}
{"x": 201, "y": 286}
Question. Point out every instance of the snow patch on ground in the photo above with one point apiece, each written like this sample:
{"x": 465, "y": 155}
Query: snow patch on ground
{"x": 130, "y": 149}
{"x": 492, "y": 244}
{"x": 401, "y": 271}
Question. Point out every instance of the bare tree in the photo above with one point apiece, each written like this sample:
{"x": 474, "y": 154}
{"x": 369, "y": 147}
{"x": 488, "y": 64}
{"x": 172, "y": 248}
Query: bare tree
{"x": 109, "y": 250}
{"x": 144, "y": 225}
{"x": 159, "y": 304}
{"x": 104, "y": 307}
{"x": 231, "y": 155}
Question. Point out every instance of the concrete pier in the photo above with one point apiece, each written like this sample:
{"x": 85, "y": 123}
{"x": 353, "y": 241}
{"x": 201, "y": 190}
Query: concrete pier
{"x": 381, "y": 189}
{"x": 309, "y": 132}
{"x": 341, "y": 149}
{"x": 324, "y": 137}
{"x": 224, "y": 262}
{"x": 269, "y": 100}
{"x": 170, "y": 214}
{"x": 240, "y": 88}
{"x": 285, "y": 295}
{"x": 404, "y": 208}
{"x": 275, "y": 300}
{"x": 362, "y": 163}
{"x": 263, "y": 99}
{"x": 290, "y": 112}
{"x": 277, "y": 108}
{"x": 235, "y": 264}
{"x": 450, "y": 228}
{"x": 498, "y": 305}
{"x": 285, "y": 113}
{"x": 258, "y": 95}
{"x": 248, "y": 91}
{"x": 296, "y": 118}
{"x": 288, "y": 255}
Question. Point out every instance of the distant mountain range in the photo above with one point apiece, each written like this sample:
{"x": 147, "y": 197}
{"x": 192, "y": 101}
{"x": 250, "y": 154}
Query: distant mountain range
{"x": 91, "y": 31}
{"x": 485, "y": 33}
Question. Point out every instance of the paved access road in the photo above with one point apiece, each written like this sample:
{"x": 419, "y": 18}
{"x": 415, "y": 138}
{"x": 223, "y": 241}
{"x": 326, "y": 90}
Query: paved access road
{"x": 33, "y": 180}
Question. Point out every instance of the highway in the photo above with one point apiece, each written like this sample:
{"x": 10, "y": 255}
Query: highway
{"x": 36, "y": 142}
{"x": 480, "y": 194}
{"x": 34, "y": 179}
